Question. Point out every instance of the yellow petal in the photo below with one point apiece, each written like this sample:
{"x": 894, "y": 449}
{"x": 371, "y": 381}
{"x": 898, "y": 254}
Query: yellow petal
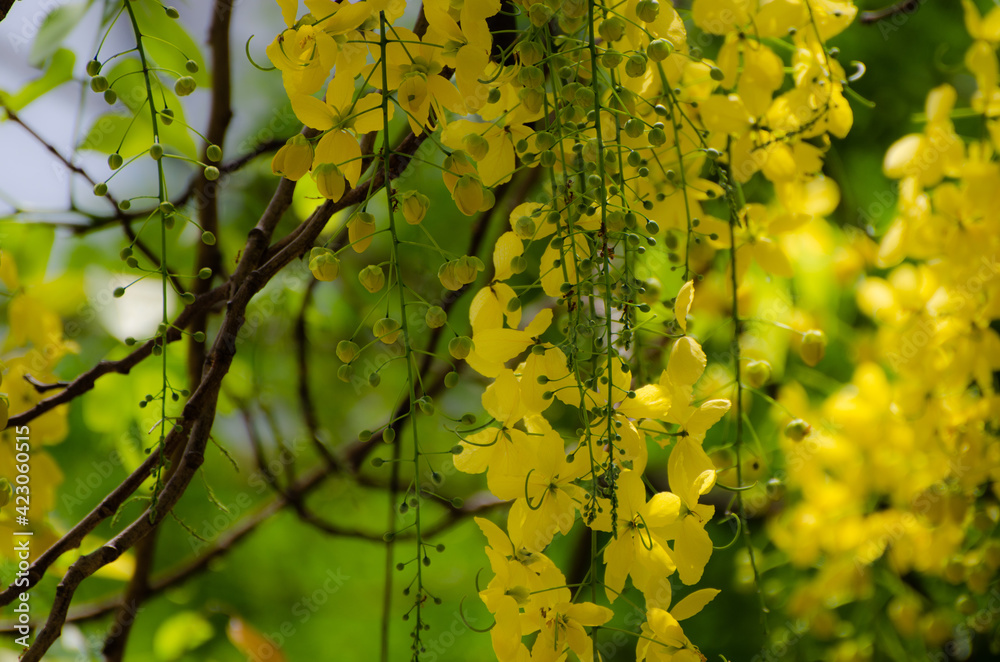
{"x": 693, "y": 603}
{"x": 682, "y": 305}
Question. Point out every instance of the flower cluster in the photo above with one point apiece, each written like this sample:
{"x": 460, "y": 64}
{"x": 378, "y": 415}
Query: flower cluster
{"x": 624, "y": 131}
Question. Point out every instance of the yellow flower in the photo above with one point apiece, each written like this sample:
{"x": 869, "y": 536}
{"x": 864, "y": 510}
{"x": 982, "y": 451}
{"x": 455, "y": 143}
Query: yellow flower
{"x": 640, "y": 549}
{"x": 413, "y": 70}
{"x": 501, "y": 452}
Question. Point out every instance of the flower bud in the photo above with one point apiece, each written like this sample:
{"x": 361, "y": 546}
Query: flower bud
{"x": 435, "y": 317}
{"x": 647, "y": 10}
{"x": 360, "y": 229}
{"x": 292, "y": 161}
{"x": 93, "y": 67}
{"x": 415, "y": 206}
{"x": 4, "y": 411}
{"x": 460, "y": 347}
{"x": 386, "y": 330}
{"x": 612, "y": 29}
{"x": 214, "y": 153}
{"x": 659, "y": 50}
{"x": 540, "y": 14}
{"x": 372, "y": 278}
{"x": 476, "y": 146}
{"x": 329, "y": 181}
{"x": 347, "y": 350}
{"x": 635, "y": 66}
{"x": 757, "y": 373}
{"x": 468, "y": 194}
{"x": 454, "y": 166}
{"x": 529, "y": 53}
{"x": 98, "y": 83}
{"x": 324, "y": 264}
{"x": 797, "y": 429}
{"x": 813, "y": 347}
{"x": 184, "y": 86}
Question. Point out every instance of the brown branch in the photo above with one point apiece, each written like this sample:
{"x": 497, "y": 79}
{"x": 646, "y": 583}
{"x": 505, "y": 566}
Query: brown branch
{"x": 209, "y": 257}
{"x": 902, "y": 7}
{"x": 86, "y": 381}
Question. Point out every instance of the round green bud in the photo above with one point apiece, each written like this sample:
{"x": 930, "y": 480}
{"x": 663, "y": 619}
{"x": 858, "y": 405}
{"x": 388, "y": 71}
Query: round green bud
{"x": 647, "y": 10}
{"x": 187, "y": 298}
{"x": 98, "y": 83}
{"x": 191, "y": 66}
{"x": 345, "y": 372}
{"x": 205, "y": 273}
{"x": 115, "y": 161}
{"x": 635, "y": 66}
{"x": 207, "y": 238}
{"x": 132, "y": 262}
{"x": 93, "y": 67}
{"x": 213, "y": 153}
{"x": 110, "y": 97}
{"x": 716, "y": 74}
{"x": 100, "y": 189}
{"x": 451, "y": 380}
{"x": 172, "y": 12}
{"x": 435, "y": 317}
{"x": 119, "y": 292}
{"x": 659, "y": 50}
{"x": 211, "y": 173}
{"x": 199, "y": 336}
{"x": 184, "y": 86}
{"x": 156, "y": 151}
{"x": 167, "y": 116}
{"x": 460, "y": 347}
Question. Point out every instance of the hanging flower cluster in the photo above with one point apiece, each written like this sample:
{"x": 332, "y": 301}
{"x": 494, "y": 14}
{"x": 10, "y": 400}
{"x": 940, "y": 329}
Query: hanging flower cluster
{"x": 625, "y": 131}
{"x": 902, "y": 477}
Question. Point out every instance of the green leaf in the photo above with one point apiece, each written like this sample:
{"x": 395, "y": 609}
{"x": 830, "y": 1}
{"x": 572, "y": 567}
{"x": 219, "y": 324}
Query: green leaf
{"x": 181, "y": 633}
{"x": 54, "y": 29}
{"x": 60, "y": 71}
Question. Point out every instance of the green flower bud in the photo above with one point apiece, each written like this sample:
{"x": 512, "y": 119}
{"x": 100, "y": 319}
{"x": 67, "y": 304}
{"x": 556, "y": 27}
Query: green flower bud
{"x": 647, "y": 10}
{"x": 659, "y": 50}
{"x": 172, "y": 12}
{"x": 635, "y": 66}
{"x": 207, "y": 238}
{"x": 100, "y": 189}
{"x": 156, "y": 151}
{"x": 98, "y": 84}
{"x": 539, "y": 14}
{"x": 347, "y": 351}
{"x": 211, "y": 173}
{"x": 460, "y": 347}
{"x": 214, "y": 153}
{"x": 435, "y": 317}
{"x": 476, "y": 146}
{"x": 612, "y": 29}
{"x": 110, "y": 97}
{"x": 386, "y": 330}
{"x": 184, "y": 86}
{"x": 115, "y": 161}
{"x": 93, "y": 67}
{"x": 191, "y": 66}
{"x": 167, "y": 116}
